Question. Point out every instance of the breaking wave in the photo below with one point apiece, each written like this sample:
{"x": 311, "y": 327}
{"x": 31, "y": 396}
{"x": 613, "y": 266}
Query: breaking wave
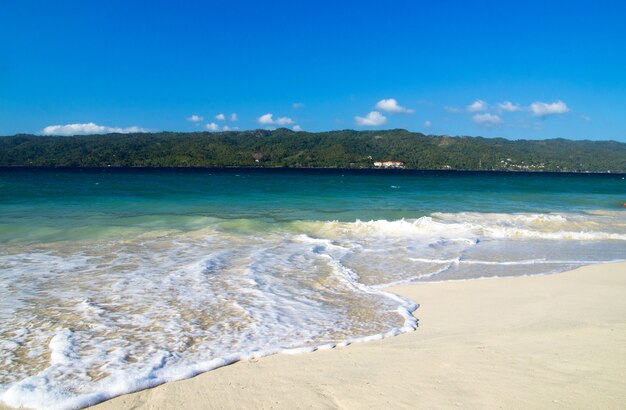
{"x": 84, "y": 321}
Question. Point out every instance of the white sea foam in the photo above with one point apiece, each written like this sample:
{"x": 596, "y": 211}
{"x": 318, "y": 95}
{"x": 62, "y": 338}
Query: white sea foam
{"x": 86, "y": 321}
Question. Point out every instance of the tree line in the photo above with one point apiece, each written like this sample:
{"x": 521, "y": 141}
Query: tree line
{"x": 334, "y": 149}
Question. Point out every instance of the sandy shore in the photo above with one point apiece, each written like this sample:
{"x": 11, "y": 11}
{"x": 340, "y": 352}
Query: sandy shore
{"x": 542, "y": 341}
{"x": 556, "y": 341}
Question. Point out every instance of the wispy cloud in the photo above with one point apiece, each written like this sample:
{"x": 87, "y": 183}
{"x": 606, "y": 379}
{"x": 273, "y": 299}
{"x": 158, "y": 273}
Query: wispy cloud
{"x": 509, "y": 106}
{"x": 452, "y": 109}
{"x": 88, "y": 128}
{"x": 220, "y": 117}
{"x": 391, "y": 105}
{"x": 213, "y": 127}
{"x": 297, "y": 105}
{"x": 537, "y": 126}
{"x": 487, "y": 119}
{"x": 373, "y": 119}
{"x": 478, "y": 105}
{"x": 268, "y": 119}
{"x": 428, "y": 124}
{"x": 195, "y": 118}
{"x": 542, "y": 109}
{"x": 233, "y": 117}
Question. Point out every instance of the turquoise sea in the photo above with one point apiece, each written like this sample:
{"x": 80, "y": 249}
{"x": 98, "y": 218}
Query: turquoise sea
{"x": 114, "y": 280}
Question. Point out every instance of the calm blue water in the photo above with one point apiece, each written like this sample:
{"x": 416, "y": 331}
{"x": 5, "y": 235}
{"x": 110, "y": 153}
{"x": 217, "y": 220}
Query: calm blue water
{"x": 66, "y": 199}
{"x": 117, "y": 280}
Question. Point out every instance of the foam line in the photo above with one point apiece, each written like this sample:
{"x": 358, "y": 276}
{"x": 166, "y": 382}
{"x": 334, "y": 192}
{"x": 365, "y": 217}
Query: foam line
{"x": 102, "y": 317}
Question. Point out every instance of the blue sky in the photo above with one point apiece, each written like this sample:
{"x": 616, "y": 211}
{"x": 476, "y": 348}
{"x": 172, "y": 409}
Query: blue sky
{"x": 528, "y": 69}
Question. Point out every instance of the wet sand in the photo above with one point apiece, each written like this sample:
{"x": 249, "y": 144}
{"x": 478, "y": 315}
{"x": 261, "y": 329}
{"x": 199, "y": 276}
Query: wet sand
{"x": 555, "y": 341}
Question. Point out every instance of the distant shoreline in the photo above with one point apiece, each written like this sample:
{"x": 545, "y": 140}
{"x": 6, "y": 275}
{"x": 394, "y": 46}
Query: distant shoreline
{"x": 413, "y": 171}
{"x": 285, "y": 149}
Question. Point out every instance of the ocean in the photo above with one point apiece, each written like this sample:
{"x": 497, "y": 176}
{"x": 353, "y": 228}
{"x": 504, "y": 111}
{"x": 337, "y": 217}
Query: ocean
{"x": 116, "y": 280}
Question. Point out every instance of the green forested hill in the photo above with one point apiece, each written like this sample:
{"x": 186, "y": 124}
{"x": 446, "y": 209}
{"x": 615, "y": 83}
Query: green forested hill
{"x": 335, "y": 149}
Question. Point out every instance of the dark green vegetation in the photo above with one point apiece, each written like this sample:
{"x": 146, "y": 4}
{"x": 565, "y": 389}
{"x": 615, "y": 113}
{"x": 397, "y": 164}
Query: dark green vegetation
{"x": 336, "y": 149}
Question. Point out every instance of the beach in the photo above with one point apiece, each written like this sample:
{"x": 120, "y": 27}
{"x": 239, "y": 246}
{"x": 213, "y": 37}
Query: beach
{"x": 121, "y": 281}
{"x": 277, "y": 207}
{"x": 549, "y": 341}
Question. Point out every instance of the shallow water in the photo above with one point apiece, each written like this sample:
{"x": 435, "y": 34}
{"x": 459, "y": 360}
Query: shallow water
{"x": 112, "y": 281}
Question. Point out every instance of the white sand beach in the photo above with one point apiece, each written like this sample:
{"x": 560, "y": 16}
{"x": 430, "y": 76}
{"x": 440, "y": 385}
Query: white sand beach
{"x": 555, "y": 341}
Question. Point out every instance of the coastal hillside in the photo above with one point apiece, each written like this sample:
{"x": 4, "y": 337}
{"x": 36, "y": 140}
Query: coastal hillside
{"x": 335, "y": 149}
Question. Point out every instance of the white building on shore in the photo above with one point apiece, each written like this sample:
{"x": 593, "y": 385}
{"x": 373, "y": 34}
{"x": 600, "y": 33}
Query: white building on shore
{"x": 389, "y": 164}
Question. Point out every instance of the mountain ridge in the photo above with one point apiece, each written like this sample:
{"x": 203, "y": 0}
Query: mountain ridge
{"x": 330, "y": 149}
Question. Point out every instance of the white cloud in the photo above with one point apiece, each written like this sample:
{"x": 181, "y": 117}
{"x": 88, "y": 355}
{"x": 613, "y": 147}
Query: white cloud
{"x": 233, "y": 117}
{"x": 373, "y": 119}
{"x": 428, "y": 124}
{"x": 195, "y": 118}
{"x": 220, "y": 117}
{"x": 212, "y": 127}
{"x": 296, "y": 128}
{"x": 509, "y": 106}
{"x": 88, "y": 128}
{"x": 268, "y": 119}
{"x": 542, "y": 109}
{"x": 297, "y": 105}
{"x": 487, "y": 119}
{"x": 478, "y": 105}
{"x": 391, "y": 105}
